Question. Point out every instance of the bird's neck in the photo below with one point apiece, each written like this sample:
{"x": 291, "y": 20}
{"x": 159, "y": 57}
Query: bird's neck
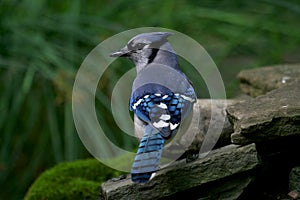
{"x": 168, "y": 58}
{"x": 161, "y": 57}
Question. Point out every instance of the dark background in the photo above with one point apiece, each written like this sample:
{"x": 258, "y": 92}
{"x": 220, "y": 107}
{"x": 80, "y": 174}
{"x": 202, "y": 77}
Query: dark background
{"x": 43, "y": 43}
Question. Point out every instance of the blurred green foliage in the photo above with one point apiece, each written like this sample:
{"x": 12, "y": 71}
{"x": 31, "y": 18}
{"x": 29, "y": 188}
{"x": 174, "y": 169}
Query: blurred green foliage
{"x": 43, "y": 43}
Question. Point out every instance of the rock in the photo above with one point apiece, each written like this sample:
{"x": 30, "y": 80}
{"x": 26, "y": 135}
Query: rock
{"x": 180, "y": 178}
{"x": 191, "y": 138}
{"x": 274, "y": 115}
{"x": 259, "y": 81}
{"x": 294, "y": 183}
{"x": 232, "y": 187}
{"x": 207, "y": 119}
{"x": 277, "y": 158}
{"x": 294, "y": 194}
{"x": 237, "y": 138}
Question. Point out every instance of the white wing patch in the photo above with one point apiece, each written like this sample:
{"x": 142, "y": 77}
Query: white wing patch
{"x": 137, "y": 103}
{"x": 165, "y": 96}
{"x": 187, "y": 98}
{"x": 160, "y": 124}
{"x": 173, "y": 126}
{"x": 165, "y": 117}
{"x": 163, "y": 106}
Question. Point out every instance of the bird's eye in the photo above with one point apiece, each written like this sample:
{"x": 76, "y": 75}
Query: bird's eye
{"x": 139, "y": 46}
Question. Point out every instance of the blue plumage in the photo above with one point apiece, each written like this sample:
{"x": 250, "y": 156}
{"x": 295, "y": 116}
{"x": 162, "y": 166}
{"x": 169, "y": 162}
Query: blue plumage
{"x": 148, "y": 155}
{"x": 151, "y": 107}
{"x": 162, "y": 97}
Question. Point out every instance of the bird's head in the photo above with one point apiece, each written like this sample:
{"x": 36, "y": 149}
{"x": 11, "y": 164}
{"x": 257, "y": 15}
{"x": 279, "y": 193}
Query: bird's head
{"x": 143, "y": 48}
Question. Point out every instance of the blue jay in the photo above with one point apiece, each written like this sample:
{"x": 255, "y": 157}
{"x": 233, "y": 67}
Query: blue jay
{"x": 162, "y": 96}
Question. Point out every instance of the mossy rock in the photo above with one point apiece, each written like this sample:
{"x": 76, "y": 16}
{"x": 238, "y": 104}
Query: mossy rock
{"x": 71, "y": 180}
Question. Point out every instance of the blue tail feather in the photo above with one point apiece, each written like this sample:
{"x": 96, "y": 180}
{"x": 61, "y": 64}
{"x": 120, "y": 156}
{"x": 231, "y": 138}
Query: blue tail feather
{"x": 148, "y": 156}
{"x": 141, "y": 177}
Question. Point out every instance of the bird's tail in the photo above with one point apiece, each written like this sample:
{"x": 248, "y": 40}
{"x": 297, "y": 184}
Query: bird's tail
{"x": 148, "y": 156}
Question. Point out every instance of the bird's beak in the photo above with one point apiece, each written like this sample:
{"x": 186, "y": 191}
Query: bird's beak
{"x": 124, "y": 52}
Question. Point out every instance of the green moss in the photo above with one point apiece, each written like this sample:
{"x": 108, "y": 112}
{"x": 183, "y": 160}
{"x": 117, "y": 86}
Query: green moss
{"x": 71, "y": 180}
